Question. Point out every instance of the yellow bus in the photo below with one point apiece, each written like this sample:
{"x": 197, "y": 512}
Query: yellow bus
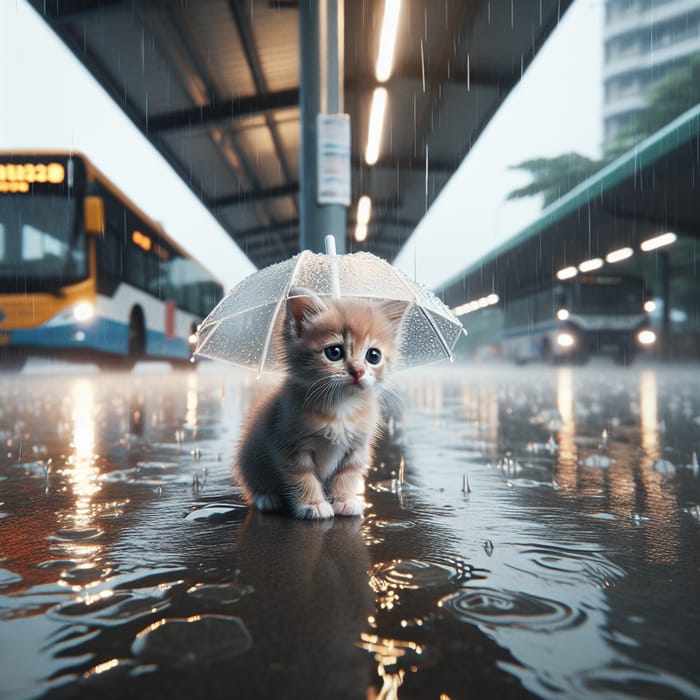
{"x": 85, "y": 274}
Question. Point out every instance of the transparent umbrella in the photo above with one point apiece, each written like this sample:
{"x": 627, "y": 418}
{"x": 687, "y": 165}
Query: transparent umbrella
{"x": 241, "y": 329}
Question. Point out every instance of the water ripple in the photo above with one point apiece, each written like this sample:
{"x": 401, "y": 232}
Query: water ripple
{"x": 413, "y": 574}
{"x": 568, "y": 564}
{"x": 202, "y": 639}
{"x": 501, "y": 608}
{"x": 109, "y": 609}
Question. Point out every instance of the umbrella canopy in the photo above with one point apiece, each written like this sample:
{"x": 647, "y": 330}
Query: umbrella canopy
{"x": 241, "y": 329}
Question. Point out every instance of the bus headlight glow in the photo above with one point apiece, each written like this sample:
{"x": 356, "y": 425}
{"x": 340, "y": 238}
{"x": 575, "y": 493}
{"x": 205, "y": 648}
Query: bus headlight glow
{"x": 650, "y": 306}
{"x": 566, "y": 340}
{"x": 563, "y": 314}
{"x": 646, "y": 337}
{"x": 83, "y": 311}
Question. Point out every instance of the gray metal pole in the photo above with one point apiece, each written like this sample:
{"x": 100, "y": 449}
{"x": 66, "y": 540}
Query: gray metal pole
{"x": 320, "y": 91}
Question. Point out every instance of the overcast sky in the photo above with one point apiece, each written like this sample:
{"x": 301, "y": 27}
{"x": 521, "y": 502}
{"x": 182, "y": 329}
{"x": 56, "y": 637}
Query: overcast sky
{"x": 556, "y": 108}
{"x": 50, "y": 101}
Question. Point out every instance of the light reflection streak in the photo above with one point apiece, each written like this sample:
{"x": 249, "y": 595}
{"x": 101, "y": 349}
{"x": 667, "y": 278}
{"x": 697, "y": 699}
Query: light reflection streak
{"x": 82, "y": 471}
{"x": 567, "y": 467}
{"x": 648, "y": 414}
{"x": 192, "y": 403}
{"x": 661, "y": 532}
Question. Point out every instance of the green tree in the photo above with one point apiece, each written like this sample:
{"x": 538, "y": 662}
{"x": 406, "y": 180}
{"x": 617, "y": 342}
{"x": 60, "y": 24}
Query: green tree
{"x": 553, "y": 177}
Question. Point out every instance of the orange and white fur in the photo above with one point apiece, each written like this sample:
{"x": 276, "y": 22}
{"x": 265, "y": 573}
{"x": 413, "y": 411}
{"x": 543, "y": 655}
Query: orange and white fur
{"x": 305, "y": 445}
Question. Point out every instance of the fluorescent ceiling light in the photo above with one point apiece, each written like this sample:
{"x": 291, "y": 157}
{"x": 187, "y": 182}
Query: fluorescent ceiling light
{"x": 620, "y": 254}
{"x": 364, "y": 210}
{"x": 567, "y": 273}
{"x": 376, "y": 123}
{"x": 360, "y": 232}
{"x": 387, "y": 40}
{"x": 590, "y": 265}
{"x": 658, "y": 241}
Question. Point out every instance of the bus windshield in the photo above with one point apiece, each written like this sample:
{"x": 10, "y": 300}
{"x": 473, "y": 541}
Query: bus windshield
{"x": 40, "y": 249}
{"x": 619, "y": 296}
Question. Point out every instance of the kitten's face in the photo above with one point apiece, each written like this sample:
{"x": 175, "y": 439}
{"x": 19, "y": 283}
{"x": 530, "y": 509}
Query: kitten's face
{"x": 341, "y": 347}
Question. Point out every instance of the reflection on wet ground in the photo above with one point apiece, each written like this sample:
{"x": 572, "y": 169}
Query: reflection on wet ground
{"x": 527, "y": 533}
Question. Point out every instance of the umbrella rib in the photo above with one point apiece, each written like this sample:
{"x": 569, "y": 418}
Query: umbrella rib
{"x": 271, "y": 328}
{"x": 437, "y": 331}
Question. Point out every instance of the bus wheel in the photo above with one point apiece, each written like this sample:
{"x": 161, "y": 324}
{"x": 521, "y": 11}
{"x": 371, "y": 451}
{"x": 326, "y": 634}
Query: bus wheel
{"x": 12, "y": 360}
{"x": 137, "y": 337}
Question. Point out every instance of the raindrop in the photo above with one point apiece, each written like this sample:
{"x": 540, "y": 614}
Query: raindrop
{"x": 663, "y": 466}
{"x": 694, "y": 511}
{"x": 217, "y": 512}
{"x": 394, "y": 524}
{"x": 597, "y": 461}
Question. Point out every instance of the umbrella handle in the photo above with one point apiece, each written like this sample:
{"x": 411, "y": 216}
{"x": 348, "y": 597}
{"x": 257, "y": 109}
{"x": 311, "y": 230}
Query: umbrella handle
{"x": 335, "y": 279}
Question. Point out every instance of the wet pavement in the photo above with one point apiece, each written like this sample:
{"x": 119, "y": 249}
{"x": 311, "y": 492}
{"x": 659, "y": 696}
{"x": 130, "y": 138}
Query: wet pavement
{"x": 529, "y": 532}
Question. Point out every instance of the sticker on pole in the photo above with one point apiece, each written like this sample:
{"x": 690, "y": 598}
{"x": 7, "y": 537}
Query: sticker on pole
{"x": 333, "y": 159}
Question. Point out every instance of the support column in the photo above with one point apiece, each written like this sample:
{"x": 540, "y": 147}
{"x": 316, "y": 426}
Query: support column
{"x": 665, "y": 259}
{"x": 321, "y": 51}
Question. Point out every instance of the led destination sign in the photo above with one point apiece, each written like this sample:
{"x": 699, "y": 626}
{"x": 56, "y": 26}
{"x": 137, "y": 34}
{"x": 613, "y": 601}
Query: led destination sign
{"x": 17, "y": 177}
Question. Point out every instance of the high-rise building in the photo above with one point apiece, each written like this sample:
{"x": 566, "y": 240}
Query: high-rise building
{"x": 644, "y": 39}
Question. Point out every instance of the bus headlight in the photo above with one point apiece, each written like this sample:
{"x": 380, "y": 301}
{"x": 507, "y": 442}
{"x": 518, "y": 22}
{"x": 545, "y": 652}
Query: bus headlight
{"x": 646, "y": 337}
{"x": 83, "y": 311}
{"x": 566, "y": 340}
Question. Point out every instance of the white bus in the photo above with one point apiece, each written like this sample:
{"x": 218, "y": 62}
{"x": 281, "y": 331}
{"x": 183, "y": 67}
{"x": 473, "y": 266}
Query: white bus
{"x": 591, "y": 313}
{"x": 84, "y": 274}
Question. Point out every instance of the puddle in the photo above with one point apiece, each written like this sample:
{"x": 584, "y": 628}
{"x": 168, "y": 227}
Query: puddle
{"x": 525, "y": 535}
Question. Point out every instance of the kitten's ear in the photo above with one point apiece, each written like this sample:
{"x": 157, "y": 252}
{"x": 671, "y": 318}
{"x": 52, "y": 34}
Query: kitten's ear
{"x": 393, "y": 312}
{"x": 303, "y": 304}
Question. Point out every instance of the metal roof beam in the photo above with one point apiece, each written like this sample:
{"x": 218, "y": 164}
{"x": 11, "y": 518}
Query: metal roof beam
{"x": 72, "y": 10}
{"x": 245, "y": 34}
{"x": 288, "y": 190}
{"x": 475, "y": 78}
{"x": 224, "y": 111}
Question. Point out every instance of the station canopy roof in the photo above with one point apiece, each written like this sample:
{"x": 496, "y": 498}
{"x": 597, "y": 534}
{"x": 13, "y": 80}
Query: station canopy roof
{"x": 214, "y": 85}
{"x": 652, "y": 189}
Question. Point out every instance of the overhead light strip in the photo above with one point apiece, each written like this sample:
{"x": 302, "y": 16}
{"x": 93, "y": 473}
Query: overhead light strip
{"x": 376, "y": 123}
{"x": 387, "y": 40}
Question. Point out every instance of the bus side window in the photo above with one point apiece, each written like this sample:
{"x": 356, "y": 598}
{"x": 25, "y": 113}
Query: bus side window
{"x": 109, "y": 263}
{"x": 136, "y": 266}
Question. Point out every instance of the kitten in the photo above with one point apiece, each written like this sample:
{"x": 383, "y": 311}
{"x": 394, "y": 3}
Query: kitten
{"x": 305, "y": 445}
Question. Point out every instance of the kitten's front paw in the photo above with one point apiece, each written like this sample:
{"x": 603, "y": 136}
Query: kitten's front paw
{"x": 351, "y": 508}
{"x": 267, "y": 502}
{"x": 313, "y": 511}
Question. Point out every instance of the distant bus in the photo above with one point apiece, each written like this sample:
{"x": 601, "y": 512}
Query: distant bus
{"x": 590, "y": 313}
{"x": 84, "y": 274}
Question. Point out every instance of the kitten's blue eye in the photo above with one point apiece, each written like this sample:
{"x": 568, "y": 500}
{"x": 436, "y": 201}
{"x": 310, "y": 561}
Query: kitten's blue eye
{"x": 373, "y": 356}
{"x": 334, "y": 352}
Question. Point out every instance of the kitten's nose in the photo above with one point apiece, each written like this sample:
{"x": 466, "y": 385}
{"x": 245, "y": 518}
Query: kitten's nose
{"x": 356, "y": 371}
